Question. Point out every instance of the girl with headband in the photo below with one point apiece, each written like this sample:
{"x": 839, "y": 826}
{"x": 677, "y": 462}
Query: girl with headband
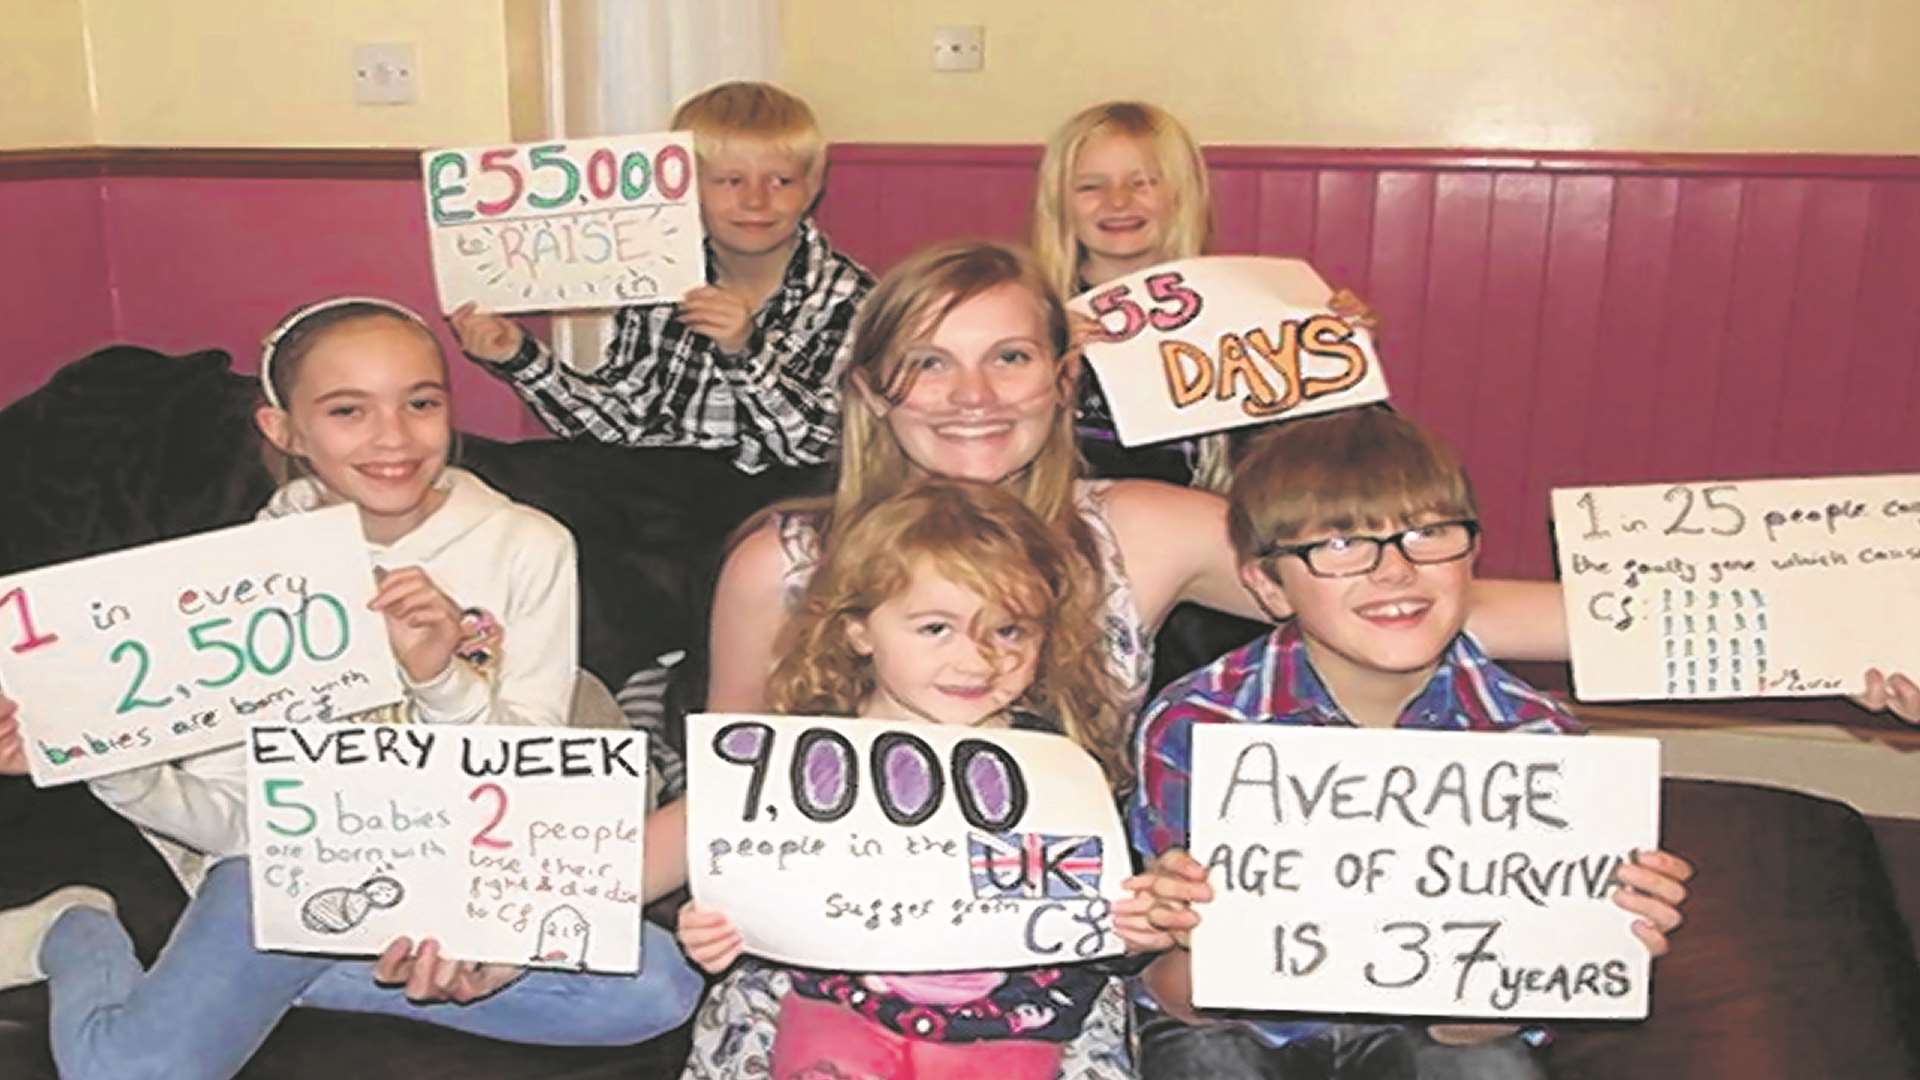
{"x": 480, "y": 597}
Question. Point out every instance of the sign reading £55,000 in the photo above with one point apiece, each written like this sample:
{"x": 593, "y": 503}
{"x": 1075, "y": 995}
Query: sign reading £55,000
{"x": 595, "y": 223}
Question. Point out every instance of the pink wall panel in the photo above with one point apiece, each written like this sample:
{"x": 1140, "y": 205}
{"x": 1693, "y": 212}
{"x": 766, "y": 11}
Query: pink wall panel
{"x": 215, "y": 262}
{"x": 1692, "y": 342}
{"x": 1561, "y": 319}
{"x": 1562, "y": 434}
{"x": 1882, "y": 386}
{"x": 1633, "y": 231}
{"x": 1496, "y": 453}
{"x": 56, "y": 280}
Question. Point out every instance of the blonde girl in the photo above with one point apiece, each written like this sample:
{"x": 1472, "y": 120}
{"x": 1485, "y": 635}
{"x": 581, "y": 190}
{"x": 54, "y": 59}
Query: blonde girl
{"x": 1123, "y": 187}
{"x": 949, "y": 603}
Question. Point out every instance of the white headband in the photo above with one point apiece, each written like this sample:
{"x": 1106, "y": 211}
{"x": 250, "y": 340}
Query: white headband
{"x": 288, "y": 324}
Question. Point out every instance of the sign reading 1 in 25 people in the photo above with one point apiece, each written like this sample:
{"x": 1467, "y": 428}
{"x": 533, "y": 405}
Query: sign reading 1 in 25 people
{"x": 1419, "y": 872}
{"x": 508, "y": 844}
{"x": 1752, "y": 588}
{"x": 157, "y": 652}
{"x": 878, "y": 846}
{"x": 566, "y": 224}
{"x": 1223, "y": 341}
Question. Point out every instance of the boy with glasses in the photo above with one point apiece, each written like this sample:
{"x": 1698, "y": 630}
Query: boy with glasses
{"x": 1364, "y": 527}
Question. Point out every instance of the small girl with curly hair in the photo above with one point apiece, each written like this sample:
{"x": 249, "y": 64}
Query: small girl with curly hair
{"x": 950, "y": 603}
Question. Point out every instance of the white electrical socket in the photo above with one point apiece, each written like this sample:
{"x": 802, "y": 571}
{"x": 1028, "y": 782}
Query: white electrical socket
{"x": 959, "y": 48}
{"x": 385, "y": 75}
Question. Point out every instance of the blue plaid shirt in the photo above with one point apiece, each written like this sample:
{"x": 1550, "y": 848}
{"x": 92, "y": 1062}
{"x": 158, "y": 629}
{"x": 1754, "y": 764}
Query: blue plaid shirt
{"x": 1272, "y": 681}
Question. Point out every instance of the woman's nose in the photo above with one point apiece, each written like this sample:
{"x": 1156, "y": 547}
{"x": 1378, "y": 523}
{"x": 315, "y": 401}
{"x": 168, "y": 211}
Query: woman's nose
{"x": 971, "y": 387}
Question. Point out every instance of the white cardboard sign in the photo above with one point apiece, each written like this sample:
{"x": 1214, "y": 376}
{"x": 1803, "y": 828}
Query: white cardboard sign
{"x": 1418, "y": 872}
{"x": 161, "y": 651}
{"x": 880, "y": 846}
{"x": 1223, "y": 341}
{"x": 565, "y": 224}
{"x": 1752, "y": 588}
{"x": 508, "y": 844}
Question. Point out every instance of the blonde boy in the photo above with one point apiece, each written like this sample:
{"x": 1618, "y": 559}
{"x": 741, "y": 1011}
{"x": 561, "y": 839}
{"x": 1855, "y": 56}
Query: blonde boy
{"x": 1364, "y": 528}
{"x": 740, "y": 367}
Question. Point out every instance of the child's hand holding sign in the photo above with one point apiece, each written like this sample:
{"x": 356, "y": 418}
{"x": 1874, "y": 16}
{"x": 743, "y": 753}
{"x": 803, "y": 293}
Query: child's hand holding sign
{"x": 13, "y": 749}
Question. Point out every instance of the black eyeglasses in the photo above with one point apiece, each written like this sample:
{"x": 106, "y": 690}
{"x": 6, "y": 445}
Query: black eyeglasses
{"x": 1351, "y": 556}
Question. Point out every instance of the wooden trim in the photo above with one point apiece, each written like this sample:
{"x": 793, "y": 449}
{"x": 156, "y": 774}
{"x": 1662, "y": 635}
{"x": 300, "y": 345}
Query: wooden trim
{"x": 1428, "y": 159}
{"x": 289, "y": 163}
{"x": 382, "y": 163}
{"x": 50, "y": 164}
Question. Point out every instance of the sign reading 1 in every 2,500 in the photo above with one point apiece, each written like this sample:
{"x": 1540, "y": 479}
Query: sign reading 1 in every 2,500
{"x": 565, "y": 224}
{"x": 1221, "y": 342}
{"x": 157, "y": 652}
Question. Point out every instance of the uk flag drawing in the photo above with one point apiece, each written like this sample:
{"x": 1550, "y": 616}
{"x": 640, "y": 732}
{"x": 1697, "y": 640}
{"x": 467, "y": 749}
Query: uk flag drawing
{"x": 1034, "y": 866}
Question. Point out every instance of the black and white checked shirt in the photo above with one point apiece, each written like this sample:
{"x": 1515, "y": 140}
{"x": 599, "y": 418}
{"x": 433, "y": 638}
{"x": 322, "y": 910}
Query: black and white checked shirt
{"x": 666, "y": 385}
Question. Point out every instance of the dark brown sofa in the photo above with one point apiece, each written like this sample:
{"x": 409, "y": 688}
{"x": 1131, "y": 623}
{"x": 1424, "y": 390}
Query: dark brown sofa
{"x": 1795, "y": 961}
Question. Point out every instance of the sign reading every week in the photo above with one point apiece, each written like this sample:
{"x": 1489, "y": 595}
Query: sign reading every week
{"x": 509, "y": 844}
{"x": 1219, "y": 342}
{"x": 1430, "y": 873}
{"x": 1753, "y": 588}
{"x": 882, "y": 846}
{"x": 565, "y": 224}
{"x": 161, "y": 651}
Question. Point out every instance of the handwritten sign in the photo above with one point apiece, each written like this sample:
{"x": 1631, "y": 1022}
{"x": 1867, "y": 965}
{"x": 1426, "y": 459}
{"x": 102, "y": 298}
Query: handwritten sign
{"x": 902, "y": 847}
{"x": 1220, "y": 342}
{"x": 581, "y": 223}
{"x": 1419, "y": 872}
{"x": 1756, "y": 588}
{"x": 158, "y": 652}
{"x": 514, "y": 845}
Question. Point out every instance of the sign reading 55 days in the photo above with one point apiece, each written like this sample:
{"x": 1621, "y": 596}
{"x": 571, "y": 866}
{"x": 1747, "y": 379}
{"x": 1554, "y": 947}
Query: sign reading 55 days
{"x": 157, "y": 652}
{"x": 1221, "y": 342}
{"x": 580, "y": 223}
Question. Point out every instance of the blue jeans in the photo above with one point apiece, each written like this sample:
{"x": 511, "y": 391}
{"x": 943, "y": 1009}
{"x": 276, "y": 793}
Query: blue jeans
{"x": 212, "y": 998}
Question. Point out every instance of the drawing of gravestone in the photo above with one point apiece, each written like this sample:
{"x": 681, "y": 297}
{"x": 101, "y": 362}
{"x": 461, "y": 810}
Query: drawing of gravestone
{"x": 563, "y": 938}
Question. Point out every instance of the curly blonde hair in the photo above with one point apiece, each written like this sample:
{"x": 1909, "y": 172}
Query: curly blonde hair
{"x": 986, "y": 540}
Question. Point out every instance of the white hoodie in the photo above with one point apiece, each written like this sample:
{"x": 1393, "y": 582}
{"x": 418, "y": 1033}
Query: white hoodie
{"x": 483, "y": 550}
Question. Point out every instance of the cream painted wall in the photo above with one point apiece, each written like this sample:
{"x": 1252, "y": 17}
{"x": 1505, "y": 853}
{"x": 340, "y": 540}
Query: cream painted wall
{"x": 1709, "y": 75}
{"x": 278, "y": 72}
{"x": 43, "y": 53}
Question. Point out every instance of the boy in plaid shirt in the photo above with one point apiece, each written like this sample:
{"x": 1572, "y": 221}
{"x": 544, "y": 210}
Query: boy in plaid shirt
{"x": 1364, "y": 528}
{"x": 742, "y": 366}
